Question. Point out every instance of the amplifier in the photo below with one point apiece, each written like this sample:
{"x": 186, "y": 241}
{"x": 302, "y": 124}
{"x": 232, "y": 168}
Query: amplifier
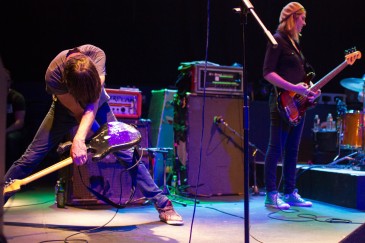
{"x": 125, "y": 103}
{"x": 219, "y": 80}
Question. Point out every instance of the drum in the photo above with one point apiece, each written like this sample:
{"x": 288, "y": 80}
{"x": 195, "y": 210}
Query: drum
{"x": 352, "y": 135}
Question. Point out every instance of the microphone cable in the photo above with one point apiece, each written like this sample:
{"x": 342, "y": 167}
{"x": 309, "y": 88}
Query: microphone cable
{"x": 203, "y": 119}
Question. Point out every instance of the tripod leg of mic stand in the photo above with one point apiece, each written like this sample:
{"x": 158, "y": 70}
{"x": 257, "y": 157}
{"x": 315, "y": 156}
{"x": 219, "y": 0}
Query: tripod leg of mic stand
{"x": 255, "y": 189}
{"x": 165, "y": 189}
{"x": 343, "y": 158}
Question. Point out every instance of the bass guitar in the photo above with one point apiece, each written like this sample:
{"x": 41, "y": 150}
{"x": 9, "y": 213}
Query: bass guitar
{"x": 111, "y": 137}
{"x": 292, "y": 106}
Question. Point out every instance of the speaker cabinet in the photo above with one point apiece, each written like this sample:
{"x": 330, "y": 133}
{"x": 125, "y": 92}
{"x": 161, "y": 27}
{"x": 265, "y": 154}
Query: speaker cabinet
{"x": 221, "y": 165}
{"x": 108, "y": 177}
{"x": 161, "y": 113}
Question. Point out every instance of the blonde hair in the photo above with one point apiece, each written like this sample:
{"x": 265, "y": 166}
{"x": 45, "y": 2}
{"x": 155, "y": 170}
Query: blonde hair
{"x": 288, "y": 18}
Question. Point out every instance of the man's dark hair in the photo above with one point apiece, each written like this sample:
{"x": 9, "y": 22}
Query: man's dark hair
{"x": 82, "y": 79}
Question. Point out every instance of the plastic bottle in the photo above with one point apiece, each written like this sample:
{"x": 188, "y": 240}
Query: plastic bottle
{"x": 316, "y": 123}
{"x": 60, "y": 195}
{"x": 56, "y": 190}
{"x": 173, "y": 183}
{"x": 329, "y": 122}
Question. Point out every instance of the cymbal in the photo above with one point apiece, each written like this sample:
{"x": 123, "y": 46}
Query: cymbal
{"x": 353, "y": 84}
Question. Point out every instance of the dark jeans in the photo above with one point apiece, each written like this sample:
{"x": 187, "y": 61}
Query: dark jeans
{"x": 56, "y": 125}
{"x": 283, "y": 144}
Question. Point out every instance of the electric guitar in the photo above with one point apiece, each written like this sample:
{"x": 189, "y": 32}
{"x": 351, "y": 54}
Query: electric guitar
{"x": 111, "y": 137}
{"x": 292, "y": 106}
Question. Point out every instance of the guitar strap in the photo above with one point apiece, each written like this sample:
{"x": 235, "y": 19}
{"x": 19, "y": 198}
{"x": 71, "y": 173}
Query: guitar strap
{"x": 308, "y": 68}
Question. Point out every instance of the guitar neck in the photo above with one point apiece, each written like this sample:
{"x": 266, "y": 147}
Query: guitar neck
{"x": 329, "y": 76}
{"x": 47, "y": 171}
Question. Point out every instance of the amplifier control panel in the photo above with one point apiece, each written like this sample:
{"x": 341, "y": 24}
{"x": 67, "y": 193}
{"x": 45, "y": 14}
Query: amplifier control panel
{"x": 125, "y": 103}
{"x": 219, "y": 80}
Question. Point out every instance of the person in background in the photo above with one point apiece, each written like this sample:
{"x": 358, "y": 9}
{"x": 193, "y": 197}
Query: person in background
{"x": 16, "y": 109}
{"x": 285, "y": 68}
{"x": 75, "y": 78}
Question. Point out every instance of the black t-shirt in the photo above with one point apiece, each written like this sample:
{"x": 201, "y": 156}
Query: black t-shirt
{"x": 15, "y": 102}
{"x": 284, "y": 60}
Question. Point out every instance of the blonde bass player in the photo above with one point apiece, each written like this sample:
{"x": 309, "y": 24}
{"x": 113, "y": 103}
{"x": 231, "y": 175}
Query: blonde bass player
{"x": 285, "y": 67}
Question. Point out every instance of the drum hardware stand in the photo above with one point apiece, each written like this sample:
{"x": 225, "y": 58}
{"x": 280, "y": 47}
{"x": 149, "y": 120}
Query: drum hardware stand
{"x": 361, "y": 164}
{"x": 333, "y": 163}
{"x": 165, "y": 188}
{"x": 255, "y": 189}
{"x": 341, "y": 110}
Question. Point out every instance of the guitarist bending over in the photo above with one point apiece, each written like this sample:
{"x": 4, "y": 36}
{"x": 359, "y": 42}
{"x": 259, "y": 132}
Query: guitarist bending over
{"x": 76, "y": 78}
{"x": 285, "y": 67}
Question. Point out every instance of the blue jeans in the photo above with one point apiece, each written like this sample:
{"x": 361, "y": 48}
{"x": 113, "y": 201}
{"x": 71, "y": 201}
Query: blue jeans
{"x": 56, "y": 125}
{"x": 283, "y": 144}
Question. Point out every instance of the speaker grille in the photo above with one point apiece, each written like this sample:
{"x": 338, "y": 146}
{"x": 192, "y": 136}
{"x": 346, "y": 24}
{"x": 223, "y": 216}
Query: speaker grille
{"x": 107, "y": 177}
{"x": 221, "y": 171}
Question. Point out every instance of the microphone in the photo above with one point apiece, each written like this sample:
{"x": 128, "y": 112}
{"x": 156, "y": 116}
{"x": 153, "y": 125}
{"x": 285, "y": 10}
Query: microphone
{"x": 219, "y": 119}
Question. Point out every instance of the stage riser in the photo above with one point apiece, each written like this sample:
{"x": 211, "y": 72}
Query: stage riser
{"x": 336, "y": 188}
{"x": 330, "y": 186}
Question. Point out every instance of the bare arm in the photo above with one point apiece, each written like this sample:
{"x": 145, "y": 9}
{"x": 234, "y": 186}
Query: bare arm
{"x": 300, "y": 88}
{"x": 86, "y": 118}
{"x": 19, "y": 121}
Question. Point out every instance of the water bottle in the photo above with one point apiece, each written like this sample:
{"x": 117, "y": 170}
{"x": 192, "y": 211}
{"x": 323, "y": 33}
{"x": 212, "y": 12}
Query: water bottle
{"x": 316, "y": 123}
{"x": 329, "y": 122}
{"x": 56, "y": 190}
{"x": 173, "y": 183}
{"x": 60, "y": 194}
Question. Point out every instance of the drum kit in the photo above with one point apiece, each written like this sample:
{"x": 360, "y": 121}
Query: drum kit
{"x": 351, "y": 123}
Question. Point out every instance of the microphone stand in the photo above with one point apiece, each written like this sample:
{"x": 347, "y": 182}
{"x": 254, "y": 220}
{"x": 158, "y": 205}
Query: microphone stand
{"x": 247, "y": 4}
{"x": 255, "y": 192}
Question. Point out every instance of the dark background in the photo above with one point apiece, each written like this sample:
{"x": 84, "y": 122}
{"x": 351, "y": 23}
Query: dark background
{"x": 146, "y": 40}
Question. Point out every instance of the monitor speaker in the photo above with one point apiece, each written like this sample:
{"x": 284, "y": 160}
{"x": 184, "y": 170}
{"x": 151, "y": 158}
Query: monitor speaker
{"x": 214, "y": 147}
{"x": 357, "y": 236}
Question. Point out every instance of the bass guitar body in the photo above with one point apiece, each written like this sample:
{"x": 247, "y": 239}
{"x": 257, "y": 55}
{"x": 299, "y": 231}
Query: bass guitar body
{"x": 293, "y": 106}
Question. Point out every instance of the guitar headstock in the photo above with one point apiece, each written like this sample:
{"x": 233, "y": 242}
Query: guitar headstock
{"x": 351, "y": 55}
{"x": 12, "y": 186}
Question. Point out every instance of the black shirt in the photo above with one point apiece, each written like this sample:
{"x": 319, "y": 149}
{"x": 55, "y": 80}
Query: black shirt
{"x": 285, "y": 60}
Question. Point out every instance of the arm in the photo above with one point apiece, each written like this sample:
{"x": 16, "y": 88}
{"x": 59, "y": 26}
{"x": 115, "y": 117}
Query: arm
{"x": 19, "y": 121}
{"x": 277, "y": 80}
{"x": 86, "y": 119}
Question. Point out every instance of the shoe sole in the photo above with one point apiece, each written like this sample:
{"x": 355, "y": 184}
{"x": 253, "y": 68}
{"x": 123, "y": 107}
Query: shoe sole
{"x": 170, "y": 222}
{"x": 300, "y": 205}
{"x": 277, "y": 207}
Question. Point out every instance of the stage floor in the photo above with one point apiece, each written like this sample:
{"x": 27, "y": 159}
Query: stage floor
{"x": 32, "y": 217}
